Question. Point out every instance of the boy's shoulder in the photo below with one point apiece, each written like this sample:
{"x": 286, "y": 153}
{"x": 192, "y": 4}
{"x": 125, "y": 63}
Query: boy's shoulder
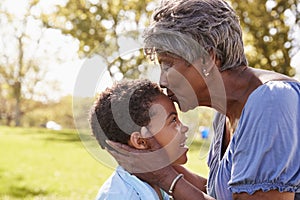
{"x": 116, "y": 188}
{"x": 122, "y": 185}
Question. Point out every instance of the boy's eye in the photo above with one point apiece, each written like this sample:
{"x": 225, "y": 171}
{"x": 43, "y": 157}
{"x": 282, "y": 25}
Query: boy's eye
{"x": 174, "y": 119}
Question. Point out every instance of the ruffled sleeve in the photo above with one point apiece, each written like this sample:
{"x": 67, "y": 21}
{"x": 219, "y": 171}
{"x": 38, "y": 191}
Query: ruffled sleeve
{"x": 266, "y": 145}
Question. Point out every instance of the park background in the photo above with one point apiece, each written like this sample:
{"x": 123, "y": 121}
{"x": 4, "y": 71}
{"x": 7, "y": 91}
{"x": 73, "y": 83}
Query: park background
{"x": 45, "y": 45}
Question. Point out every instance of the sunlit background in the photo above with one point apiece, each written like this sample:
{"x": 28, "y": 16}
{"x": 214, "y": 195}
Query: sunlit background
{"x": 45, "y": 47}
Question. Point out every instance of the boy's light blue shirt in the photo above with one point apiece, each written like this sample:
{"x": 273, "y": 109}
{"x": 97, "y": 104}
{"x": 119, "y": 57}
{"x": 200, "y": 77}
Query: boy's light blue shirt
{"x": 123, "y": 185}
{"x": 264, "y": 151}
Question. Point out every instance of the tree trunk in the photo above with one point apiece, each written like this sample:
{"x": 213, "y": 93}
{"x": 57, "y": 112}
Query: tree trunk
{"x": 17, "y": 93}
{"x": 17, "y": 86}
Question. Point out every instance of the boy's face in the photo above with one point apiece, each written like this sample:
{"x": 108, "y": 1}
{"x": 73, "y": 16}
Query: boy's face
{"x": 168, "y": 130}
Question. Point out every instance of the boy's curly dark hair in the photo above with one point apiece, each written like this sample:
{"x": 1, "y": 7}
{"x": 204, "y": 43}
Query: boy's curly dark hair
{"x": 122, "y": 110}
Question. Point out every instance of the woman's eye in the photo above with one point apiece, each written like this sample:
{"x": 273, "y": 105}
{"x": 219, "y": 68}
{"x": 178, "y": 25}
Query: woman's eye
{"x": 165, "y": 66}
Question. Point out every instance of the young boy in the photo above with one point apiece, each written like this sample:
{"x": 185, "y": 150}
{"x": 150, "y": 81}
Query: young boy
{"x": 121, "y": 114}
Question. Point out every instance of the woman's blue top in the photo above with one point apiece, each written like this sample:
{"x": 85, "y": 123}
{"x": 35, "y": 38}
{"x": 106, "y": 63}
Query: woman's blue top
{"x": 264, "y": 152}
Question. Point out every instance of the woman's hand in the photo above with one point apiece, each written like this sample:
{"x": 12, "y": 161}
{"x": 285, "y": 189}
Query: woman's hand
{"x": 137, "y": 160}
{"x": 151, "y": 165}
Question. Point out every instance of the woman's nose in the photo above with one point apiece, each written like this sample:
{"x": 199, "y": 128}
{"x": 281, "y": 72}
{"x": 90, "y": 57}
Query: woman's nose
{"x": 184, "y": 128}
{"x": 163, "y": 79}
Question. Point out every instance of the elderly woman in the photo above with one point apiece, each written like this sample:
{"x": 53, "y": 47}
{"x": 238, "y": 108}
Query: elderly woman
{"x": 254, "y": 153}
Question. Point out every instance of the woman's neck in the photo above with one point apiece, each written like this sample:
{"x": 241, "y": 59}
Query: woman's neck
{"x": 239, "y": 84}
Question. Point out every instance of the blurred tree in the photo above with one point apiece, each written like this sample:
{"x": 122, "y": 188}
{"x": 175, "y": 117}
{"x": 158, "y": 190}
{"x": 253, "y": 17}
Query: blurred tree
{"x": 25, "y": 52}
{"x": 102, "y": 27}
{"x": 14, "y": 63}
{"x": 60, "y": 112}
{"x": 111, "y": 29}
{"x": 81, "y": 108}
{"x": 6, "y": 102}
{"x": 269, "y": 32}
{"x": 200, "y": 116}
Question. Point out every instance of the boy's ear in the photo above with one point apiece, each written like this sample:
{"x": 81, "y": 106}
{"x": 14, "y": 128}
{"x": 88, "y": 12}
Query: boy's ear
{"x": 137, "y": 141}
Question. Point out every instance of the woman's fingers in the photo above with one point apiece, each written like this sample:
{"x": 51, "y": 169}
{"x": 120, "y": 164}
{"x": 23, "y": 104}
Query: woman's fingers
{"x": 119, "y": 147}
{"x": 139, "y": 161}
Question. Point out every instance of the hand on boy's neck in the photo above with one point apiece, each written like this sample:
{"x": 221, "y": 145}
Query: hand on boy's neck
{"x": 143, "y": 150}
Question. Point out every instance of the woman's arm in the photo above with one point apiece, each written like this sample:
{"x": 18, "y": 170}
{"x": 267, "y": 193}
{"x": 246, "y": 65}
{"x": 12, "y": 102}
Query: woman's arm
{"x": 183, "y": 188}
{"x": 191, "y": 177}
{"x": 163, "y": 176}
{"x": 264, "y": 146}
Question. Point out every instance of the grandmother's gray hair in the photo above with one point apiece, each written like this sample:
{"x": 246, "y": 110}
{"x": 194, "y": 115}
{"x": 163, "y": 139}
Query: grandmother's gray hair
{"x": 188, "y": 28}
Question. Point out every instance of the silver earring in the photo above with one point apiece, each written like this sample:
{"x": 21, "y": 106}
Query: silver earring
{"x": 205, "y": 72}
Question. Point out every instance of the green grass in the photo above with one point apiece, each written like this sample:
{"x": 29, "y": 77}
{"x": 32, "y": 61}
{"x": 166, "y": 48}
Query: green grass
{"x": 44, "y": 164}
{"x": 197, "y": 157}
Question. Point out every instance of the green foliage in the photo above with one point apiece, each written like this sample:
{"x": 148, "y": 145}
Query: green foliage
{"x": 23, "y": 56}
{"x": 112, "y": 29}
{"x": 7, "y": 104}
{"x": 81, "y": 109}
{"x": 99, "y": 26}
{"x": 43, "y": 164}
{"x": 95, "y": 23}
{"x": 267, "y": 35}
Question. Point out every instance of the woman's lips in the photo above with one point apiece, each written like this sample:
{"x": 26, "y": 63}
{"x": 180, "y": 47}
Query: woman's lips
{"x": 172, "y": 96}
{"x": 174, "y": 99}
